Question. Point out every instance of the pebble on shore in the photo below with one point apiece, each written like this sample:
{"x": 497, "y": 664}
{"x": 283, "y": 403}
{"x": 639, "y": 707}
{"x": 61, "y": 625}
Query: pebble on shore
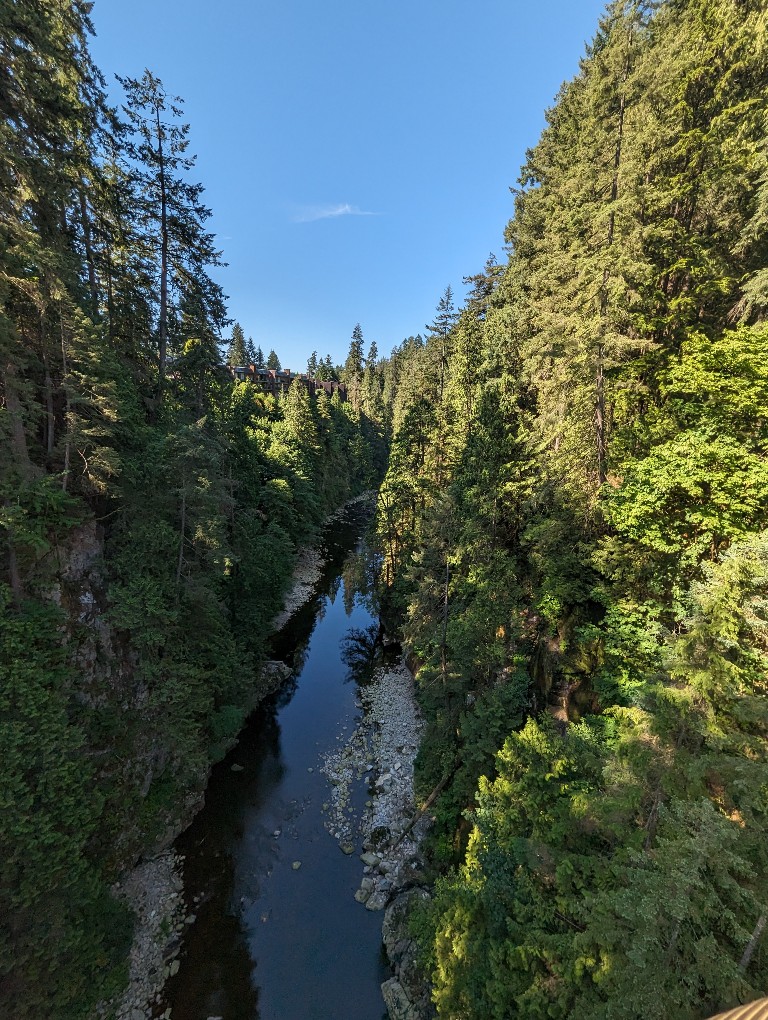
{"x": 383, "y": 747}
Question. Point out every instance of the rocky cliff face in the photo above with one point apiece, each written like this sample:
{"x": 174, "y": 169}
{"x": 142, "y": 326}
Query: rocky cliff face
{"x": 122, "y": 731}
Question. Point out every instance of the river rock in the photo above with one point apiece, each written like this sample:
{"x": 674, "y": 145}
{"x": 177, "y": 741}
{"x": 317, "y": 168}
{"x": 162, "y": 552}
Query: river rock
{"x": 407, "y": 994}
{"x": 276, "y": 670}
{"x": 153, "y": 891}
{"x": 307, "y": 572}
{"x": 383, "y": 748}
{"x": 377, "y": 900}
{"x": 399, "y": 1006}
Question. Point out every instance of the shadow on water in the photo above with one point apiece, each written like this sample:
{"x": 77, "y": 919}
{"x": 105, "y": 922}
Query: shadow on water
{"x": 360, "y": 652}
{"x": 272, "y": 940}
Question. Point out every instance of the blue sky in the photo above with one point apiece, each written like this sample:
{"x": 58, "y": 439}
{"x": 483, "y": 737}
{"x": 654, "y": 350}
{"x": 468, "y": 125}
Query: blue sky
{"x": 357, "y": 156}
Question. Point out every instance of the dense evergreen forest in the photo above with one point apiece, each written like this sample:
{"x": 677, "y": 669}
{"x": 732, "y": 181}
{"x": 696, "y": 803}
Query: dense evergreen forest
{"x": 150, "y": 507}
{"x": 573, "y": 528}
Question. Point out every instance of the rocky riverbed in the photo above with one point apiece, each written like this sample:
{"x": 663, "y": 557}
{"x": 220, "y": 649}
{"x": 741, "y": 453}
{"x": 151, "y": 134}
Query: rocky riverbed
{"x": 306, "y": 574}
{"x": 154, "y": 891}
{"x": 382, "y": 749}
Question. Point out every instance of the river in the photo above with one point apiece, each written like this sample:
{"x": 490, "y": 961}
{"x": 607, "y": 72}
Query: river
{"x": 277, "y": 934}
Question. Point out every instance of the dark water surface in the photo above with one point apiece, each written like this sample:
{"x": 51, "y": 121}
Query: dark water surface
{"x": 270, "y": 941}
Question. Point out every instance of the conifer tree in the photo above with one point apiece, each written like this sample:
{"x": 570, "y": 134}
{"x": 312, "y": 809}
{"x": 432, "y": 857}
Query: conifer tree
{"x": 353, "y": 368}
{"x": 438, "y": 334}
{"x": 273, "y": 362}
{"x": 172, "y": 207}
{"x": 237, "y": 354}
{"x": 571, "y": 494}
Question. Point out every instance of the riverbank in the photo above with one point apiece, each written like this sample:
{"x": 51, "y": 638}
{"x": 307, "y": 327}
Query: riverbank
{"x": 154, "y": 892}
{"x": 309, "y": 566}
{"x": 383, "y": 749}
{"x": 306, "y": 573}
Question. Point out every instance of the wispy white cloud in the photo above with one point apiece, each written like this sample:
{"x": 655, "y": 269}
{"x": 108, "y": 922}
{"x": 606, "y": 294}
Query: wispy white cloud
{"x": 309, "y": 214}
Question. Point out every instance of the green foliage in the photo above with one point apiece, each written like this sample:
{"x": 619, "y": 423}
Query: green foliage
{"x": 225, "y": 724}
{"x": 571, "y": 525}
{"x": 150, "y": 507}
{"x": 63, "y": 939}
{"x": 237, "y": 354}
{"x": 572, "y": 529}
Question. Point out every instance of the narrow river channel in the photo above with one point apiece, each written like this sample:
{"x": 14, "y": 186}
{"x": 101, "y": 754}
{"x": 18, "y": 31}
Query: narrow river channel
{"x": 277, "y": 934}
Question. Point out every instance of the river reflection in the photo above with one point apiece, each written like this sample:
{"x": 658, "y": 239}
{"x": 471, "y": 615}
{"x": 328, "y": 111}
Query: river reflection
{"x": 277, "y": 933}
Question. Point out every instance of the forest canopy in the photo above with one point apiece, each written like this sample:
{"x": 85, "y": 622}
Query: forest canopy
{"x": 573, "y": 527}
{"x": 150, "y": 504}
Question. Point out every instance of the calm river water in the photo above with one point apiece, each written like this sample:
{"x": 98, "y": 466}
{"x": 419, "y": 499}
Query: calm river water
{"x": 270, "y": 940}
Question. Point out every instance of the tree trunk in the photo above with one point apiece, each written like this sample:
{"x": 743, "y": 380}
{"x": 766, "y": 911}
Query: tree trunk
{"x": 16, "y": 416}
{"x": 752, "y": 944}
{"x": 26, "y": 469}
{"x": 445, "y": 617}
{"x": 426, "y": 805}
{"x": 110, "y": 296}
{"x": 67, "y": 413}
{"x": 50, "y": 423}
{"x": 163, "y": 254}
{"x": 600, "y": 428}
{"x": 180, "y": 563}
{"x": 14, "y": 577}
{"x": 88, "y": 245}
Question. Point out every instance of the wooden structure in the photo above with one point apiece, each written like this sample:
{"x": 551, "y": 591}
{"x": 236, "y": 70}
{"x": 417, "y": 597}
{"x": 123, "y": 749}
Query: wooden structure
{"x": 752, "y": 1011}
